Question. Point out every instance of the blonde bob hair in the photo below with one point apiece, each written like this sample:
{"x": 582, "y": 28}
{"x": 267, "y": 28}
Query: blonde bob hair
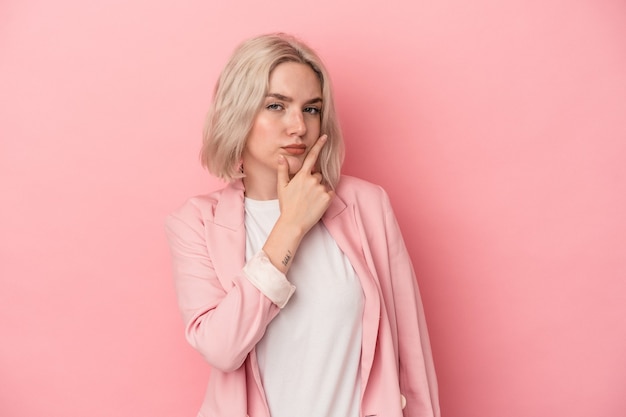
{"x": 239, "y": 95}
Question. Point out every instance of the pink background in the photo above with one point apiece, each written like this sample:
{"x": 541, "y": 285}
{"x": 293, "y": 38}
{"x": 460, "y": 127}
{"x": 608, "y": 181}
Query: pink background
{"x": 497, "y": 127}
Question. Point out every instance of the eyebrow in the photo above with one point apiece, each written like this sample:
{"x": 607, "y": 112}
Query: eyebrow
{"x": 289, "y": 99}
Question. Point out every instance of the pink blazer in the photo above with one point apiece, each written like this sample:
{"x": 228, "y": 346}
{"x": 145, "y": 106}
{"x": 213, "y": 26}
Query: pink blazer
{"x": 225, "y": 315}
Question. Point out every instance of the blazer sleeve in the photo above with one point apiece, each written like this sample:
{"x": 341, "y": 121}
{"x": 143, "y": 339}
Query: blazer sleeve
{"x": 223, "y": 324}
{"x": 418, "y": 382}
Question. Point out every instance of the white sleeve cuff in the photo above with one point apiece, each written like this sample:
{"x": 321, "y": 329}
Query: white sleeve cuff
{"x": 269, "y": 280}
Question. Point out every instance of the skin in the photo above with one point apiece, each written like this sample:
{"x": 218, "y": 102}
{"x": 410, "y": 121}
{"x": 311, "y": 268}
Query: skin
{"x": 287, "y": 125}
{"x": 281, "y": 155}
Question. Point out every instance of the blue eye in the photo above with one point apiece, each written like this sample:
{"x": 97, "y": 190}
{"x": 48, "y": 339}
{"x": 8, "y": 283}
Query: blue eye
{"x": 274, "y": 106}
{"x": 312, "y": 110}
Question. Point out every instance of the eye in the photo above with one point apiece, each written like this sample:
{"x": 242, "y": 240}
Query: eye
{"x": 275, "y": 106}
{"x": 312, "y": 110}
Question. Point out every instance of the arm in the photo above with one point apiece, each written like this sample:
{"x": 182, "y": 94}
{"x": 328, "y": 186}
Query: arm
{"x": 418, "y": 381}
{"x": 303, "y": 201}
{"x": 223, "y": 324}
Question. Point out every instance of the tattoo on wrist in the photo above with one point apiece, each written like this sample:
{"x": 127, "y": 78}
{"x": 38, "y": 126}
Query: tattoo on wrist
{"x": 287, "y": 258}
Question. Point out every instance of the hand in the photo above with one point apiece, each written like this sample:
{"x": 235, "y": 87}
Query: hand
{"x": 303, "y": 199}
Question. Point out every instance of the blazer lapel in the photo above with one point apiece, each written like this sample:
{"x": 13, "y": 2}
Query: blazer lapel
{"x": 227, "y": 234}
{"x": 227, "y": 237}
{"x": 340, "y": 220}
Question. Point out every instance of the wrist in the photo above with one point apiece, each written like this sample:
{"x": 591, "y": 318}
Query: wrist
{"x": 282, "y": 243}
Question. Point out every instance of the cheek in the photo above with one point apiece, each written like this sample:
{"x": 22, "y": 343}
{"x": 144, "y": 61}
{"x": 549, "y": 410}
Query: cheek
{"x": 314, "y": 126}
{"x": 260, "y": 127}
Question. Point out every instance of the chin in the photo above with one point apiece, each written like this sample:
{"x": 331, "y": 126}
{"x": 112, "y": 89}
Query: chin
{"x": 295, "y": 170}
{"x": 294, "y": 167}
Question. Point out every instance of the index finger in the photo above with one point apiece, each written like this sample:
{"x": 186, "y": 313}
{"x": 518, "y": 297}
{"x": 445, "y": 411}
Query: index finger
{"x": 311, "y": 158}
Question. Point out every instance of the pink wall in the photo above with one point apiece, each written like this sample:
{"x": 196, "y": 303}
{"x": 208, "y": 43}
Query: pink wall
{"x": 498, "y": 128}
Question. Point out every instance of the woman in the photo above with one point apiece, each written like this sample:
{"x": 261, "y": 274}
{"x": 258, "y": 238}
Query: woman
{"x": 293, "y": 281}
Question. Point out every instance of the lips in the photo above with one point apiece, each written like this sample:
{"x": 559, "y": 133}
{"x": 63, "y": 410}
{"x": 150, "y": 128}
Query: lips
{"x": 295, "y": 149}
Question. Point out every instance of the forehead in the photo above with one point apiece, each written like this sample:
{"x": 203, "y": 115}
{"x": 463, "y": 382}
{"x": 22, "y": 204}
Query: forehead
{"x": 294, "y": 78}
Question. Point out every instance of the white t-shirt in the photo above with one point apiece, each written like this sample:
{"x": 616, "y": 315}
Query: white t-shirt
{"x": 309, "y": 357}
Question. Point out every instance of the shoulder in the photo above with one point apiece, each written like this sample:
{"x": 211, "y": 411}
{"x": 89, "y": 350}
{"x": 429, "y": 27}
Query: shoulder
{"x": 352, "y": 189}
{"x": 199, "y": 206}
{"x": 206, "y": 208}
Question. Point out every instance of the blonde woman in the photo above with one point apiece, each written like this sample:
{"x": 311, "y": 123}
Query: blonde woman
{"x": 293, "y": 281}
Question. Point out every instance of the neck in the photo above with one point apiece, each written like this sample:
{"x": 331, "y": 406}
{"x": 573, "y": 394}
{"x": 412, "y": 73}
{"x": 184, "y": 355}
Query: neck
{"x": 258, "y": 189}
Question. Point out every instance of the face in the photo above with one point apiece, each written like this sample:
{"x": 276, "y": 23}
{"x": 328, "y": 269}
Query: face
{"x": 287, "y": 124}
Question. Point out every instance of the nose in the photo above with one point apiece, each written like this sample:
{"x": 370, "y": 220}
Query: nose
{"x": 296, "y": 124}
